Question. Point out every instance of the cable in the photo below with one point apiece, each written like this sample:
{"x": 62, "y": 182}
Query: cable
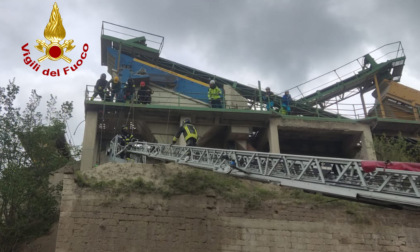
{"x": 68, "y": 127}
{"x": 102, "y": 126}
{"x": 77, "y": 127}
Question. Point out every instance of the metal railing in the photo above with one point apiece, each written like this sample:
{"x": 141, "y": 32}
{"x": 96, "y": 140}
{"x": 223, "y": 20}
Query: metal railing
{"x": 382, "y": 54}
{"x": 166, "y": 97}
{"x": 118, "y": 31}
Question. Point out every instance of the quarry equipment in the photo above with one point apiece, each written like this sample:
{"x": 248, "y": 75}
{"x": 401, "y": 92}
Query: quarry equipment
{"x": 343, "y": 178}
{"x": 125, "y": 51}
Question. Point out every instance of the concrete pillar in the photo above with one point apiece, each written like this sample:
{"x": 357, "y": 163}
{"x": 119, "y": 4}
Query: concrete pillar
{"x": 273, "y": 136}
{"x": 240, "y": 135}
{"x": 368, "y": 149}
{"x": 89, "y": 140}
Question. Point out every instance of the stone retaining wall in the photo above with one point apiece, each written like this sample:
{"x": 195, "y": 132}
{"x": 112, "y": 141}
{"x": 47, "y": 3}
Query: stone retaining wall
{"x": 94, "y": 221}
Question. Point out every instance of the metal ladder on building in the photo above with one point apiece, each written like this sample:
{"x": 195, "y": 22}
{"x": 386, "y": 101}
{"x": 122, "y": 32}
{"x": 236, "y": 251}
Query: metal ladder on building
{"x": 337, "y": 177}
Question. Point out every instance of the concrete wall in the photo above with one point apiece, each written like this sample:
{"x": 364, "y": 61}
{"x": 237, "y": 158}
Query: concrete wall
{"x": 96, "y": 221}
{"x": 163, "y": 96}
{"x": 233, "y": 99}
{"x": 349, "y": 134}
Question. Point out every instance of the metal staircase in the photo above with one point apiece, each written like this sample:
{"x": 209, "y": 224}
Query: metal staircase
{"x": 335, "y": 177}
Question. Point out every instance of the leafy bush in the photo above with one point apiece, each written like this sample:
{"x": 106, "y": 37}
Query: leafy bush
{"x": 28, "y": 206}
{"x": 29, "y": 150}
{"x": 396, "y": 149}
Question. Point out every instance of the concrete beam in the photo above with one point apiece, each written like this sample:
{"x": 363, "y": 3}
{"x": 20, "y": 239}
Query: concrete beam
{"x": 241, "y": 144}
{"x": 207, "y": 134}
{"x": 238, "y": 133}
{"x": 89, "y": 147}
{"x": 144, "y": 130}
{"x": 333, "y": 130}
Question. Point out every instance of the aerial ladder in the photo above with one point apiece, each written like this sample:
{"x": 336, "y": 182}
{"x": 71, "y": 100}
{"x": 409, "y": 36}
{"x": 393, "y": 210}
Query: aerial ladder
{"x": 337, "y": 177}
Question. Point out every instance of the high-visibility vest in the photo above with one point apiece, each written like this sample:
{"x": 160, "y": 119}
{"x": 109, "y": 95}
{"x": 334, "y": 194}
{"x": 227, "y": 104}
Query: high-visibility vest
{"x": 214, "y": 93}
{"x": 190, "y": 131}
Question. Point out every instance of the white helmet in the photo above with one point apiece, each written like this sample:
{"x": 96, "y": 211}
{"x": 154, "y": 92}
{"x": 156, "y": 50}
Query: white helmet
{"x": 212, "y": 82}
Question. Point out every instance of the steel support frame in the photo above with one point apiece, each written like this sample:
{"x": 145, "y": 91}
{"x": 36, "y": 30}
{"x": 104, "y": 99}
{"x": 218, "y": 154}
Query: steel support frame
{"x": 334, "y": 176}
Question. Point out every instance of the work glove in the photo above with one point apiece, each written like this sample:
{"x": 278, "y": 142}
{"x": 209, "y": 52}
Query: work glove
{"x": 100, "y": 88}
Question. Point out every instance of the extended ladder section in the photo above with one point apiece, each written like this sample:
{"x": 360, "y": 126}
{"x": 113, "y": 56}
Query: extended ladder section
{"x": 335, "y": 177}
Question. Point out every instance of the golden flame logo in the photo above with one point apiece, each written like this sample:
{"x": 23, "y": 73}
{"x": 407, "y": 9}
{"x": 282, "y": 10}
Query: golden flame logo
{"x": 55, "y": 32}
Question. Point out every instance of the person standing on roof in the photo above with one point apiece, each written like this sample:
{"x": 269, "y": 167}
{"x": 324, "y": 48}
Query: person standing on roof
{"x": 269, "y": 98}
{"x": 215, "y": 95}
{"x": 100, "y": 87}
{"x": 189, "y": 131}
{"x": 115, "y": 88}
{"x": 145, "y": 93}
{"x": 286, "y": 100}
{"x": 129, "y": 90}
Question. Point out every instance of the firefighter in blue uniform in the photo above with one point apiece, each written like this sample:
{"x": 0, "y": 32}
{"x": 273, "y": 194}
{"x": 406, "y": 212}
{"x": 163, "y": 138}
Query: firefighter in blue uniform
{"x": 189, "y": 131}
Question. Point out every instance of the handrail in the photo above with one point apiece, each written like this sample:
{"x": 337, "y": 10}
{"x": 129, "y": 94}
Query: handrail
{"x": 163, "y": 97}
{"x": 136, "y": 33}
{"x": 301, "y": 90}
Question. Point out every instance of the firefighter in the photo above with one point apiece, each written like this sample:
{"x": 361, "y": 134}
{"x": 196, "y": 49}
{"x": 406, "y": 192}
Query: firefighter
{"x": 115, "y": 88}
{"x": 100, "y": 87}
{"x": 189, "y": 131}
{"x": 145, "y": 93}
{"x": 215, "y": 95}
{"x": 126, "y": 138}
{"x": 129, "y": 90}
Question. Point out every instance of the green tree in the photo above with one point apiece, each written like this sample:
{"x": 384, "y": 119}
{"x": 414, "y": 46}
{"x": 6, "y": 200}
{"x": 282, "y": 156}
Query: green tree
{"x": 396, "y": 149}
{"x": 29, "y": 150}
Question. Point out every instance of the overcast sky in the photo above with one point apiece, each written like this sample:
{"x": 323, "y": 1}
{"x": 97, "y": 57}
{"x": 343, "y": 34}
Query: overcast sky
{"x": 281, "y": 43}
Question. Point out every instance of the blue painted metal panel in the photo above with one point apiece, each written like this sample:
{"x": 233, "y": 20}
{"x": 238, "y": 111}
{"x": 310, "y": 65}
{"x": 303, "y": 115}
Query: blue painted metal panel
{"x": 129, "y": 67}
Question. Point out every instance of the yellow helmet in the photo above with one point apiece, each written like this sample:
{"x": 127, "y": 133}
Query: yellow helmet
{"x": 116, "y": 79}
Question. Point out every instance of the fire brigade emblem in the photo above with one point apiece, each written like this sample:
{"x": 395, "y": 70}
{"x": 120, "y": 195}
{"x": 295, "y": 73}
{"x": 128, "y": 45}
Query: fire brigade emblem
{"x": 55, "y": 32}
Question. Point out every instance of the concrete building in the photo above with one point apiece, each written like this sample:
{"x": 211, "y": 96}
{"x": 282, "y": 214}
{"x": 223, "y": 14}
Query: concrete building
{"x": 317, "y": 124}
